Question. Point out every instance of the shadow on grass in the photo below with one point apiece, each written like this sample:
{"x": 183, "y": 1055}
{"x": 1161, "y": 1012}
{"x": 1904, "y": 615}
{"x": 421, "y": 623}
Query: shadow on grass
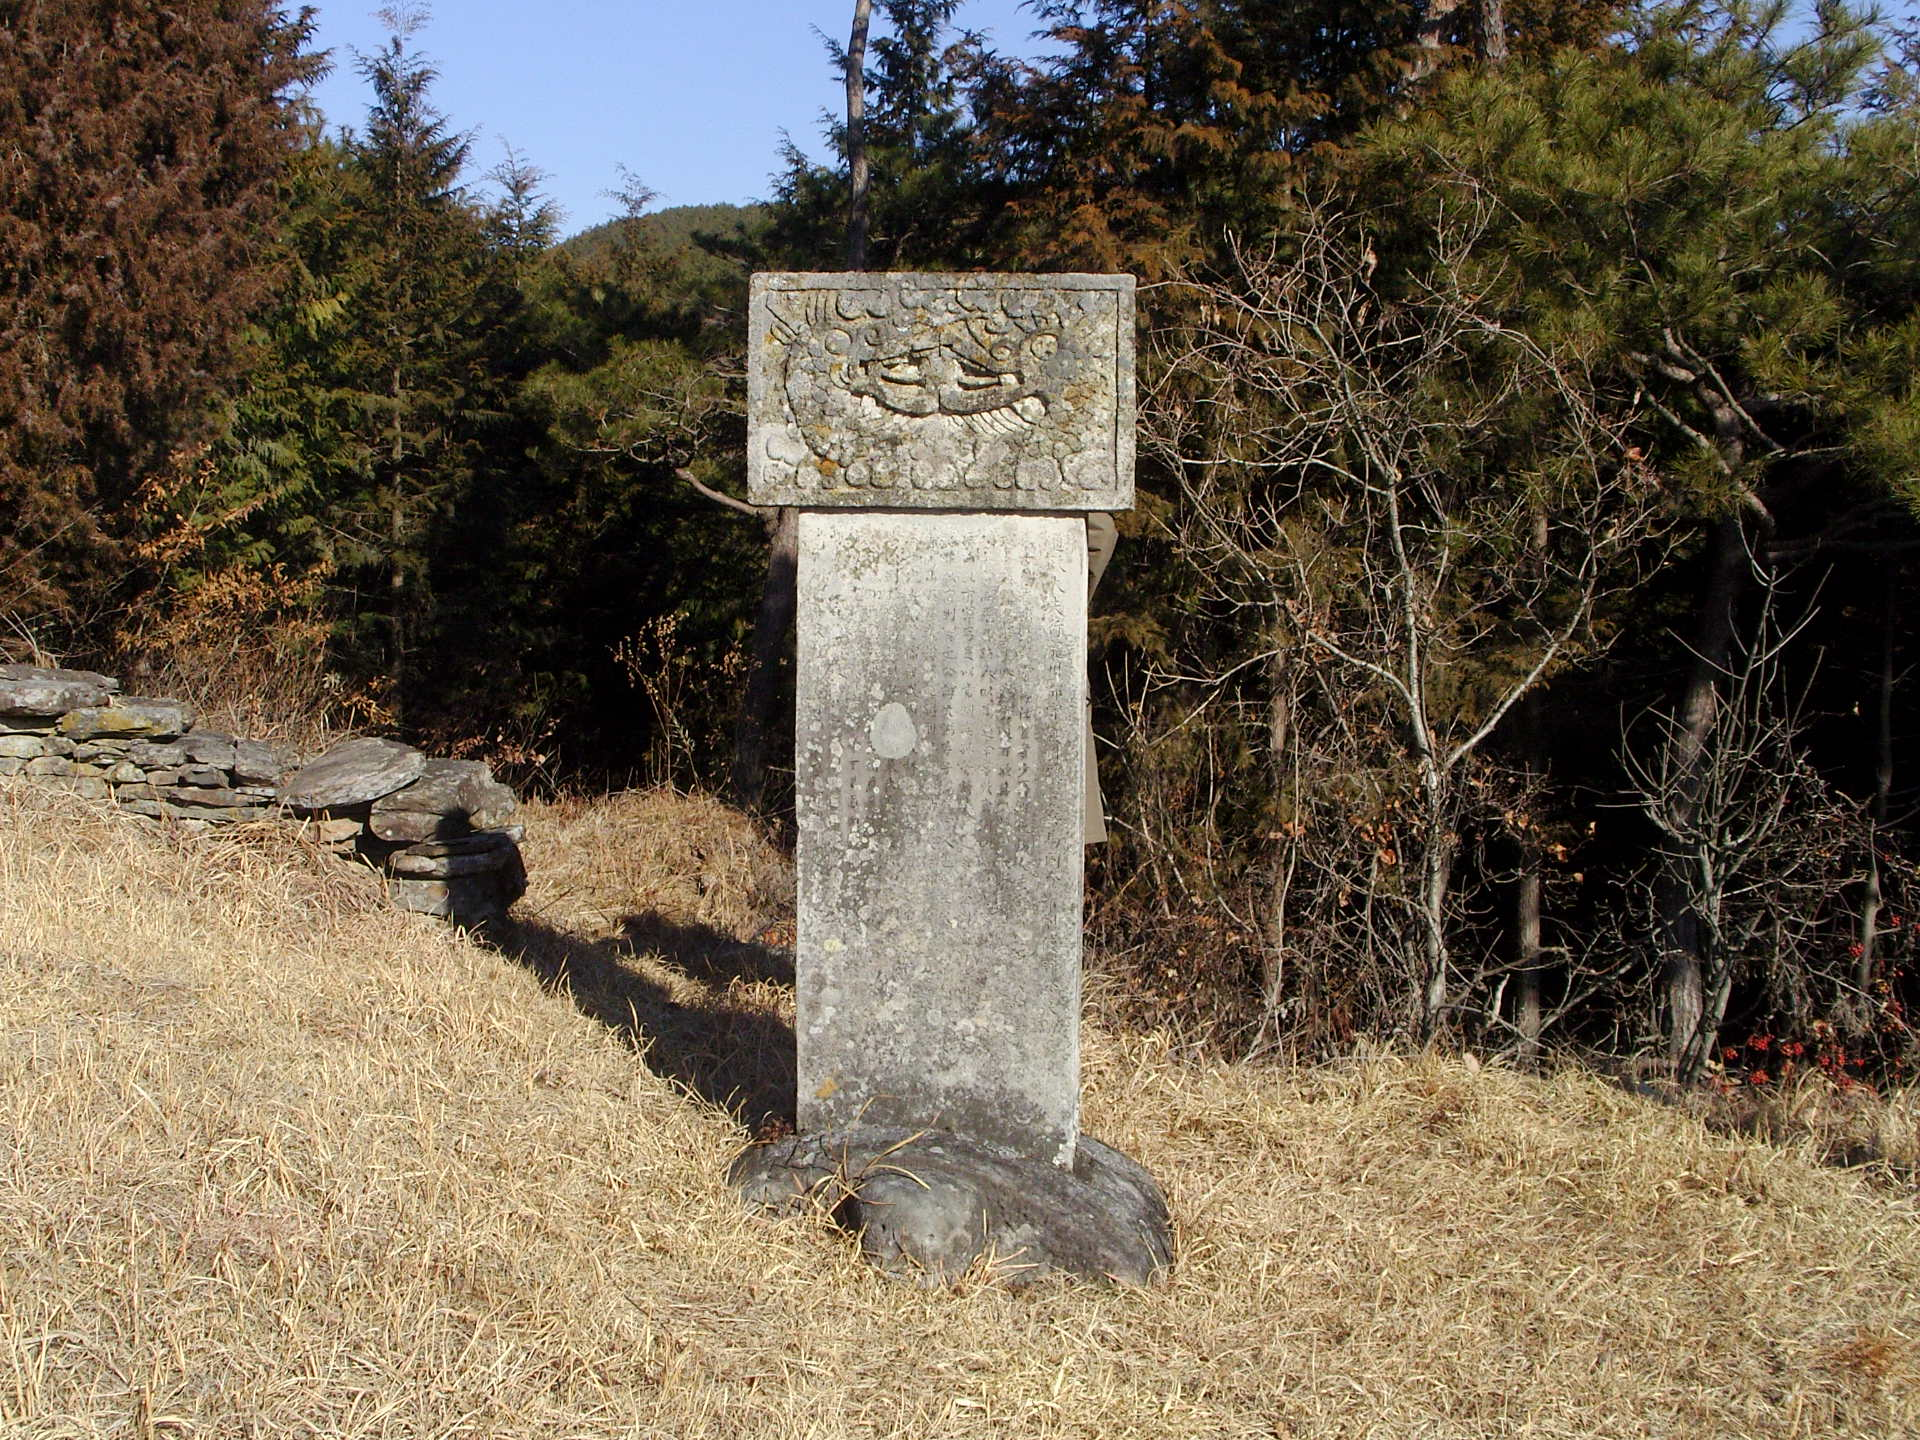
{"x": 722, "y": 1049}
{"x": 706, "y": 954}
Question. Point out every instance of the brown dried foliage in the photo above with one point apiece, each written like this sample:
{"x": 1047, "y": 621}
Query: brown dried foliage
{"x": 142, "y": 149}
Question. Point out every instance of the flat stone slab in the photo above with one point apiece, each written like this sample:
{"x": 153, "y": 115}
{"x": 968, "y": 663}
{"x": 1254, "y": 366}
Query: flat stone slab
{"x": 256, "y": 763}
{"x": 938, "y": 767}
{"x": 928, "y": 1205}
{"x": 128, "y": 716}
{"x": 480, "y": 843}
{"x": 449, "y": 798}
{"x": 352, "y": 773}
{"x": 941, "y": 392}
{"x": 35, "y": 690}
{"x": 442, "y": 862}
{"x": 466, "y": 899}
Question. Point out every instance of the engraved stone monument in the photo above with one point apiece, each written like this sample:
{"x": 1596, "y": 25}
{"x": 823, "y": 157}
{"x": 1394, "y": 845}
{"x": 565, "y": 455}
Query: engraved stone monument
{"x": 943, "y": 435}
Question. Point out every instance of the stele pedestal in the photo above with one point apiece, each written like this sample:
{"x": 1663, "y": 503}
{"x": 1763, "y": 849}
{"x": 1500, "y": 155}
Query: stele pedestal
{"x": 943, "y": 436}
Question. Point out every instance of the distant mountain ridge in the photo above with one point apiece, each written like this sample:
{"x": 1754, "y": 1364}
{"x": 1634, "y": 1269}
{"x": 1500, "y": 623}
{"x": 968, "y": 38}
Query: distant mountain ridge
{"x": 678, "y": 227}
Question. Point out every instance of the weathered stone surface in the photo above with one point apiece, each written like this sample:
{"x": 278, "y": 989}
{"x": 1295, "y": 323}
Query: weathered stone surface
{"x": 483, "y": 841}
{"x": 87, "y": 787}
{"x": 207, "y": 747}
{"x": 128, "y": 715}
{"x": 22, "y": 747}
{"x": 202, "y": 775}
{"x": 257, "y": 763}
{"x": 154, "y": 755}
{"x": 150, "y": 809}
{"x": 336, "y": 831}
{"x": 194, "y": 798}
{"x": 468, "y": 900}
{"x": 11, "y": 765}
{"x": 34, "y": 690}
{"x": 49, "y": 765}
{"x": 939, "y": 771}
{"x": 950, "y": 392}
{"x": 450, "y": 798}
{"x": 412, "y": 862}
{"x": 27, "y": 724}
{"x": 100, "y": 749}
{"x": 928, "y": 1205}
{"x": 125, "y": 772}
{"x": 207, "y": 797}
{"x": 352, "y": 773}
{"x": 185, "y": 821}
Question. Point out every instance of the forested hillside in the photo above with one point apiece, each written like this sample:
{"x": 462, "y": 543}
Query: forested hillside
{"x": 1509, "y": 647}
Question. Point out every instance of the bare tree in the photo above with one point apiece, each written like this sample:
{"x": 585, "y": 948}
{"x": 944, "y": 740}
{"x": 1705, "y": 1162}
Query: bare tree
{"x": 1367, "y": 472}
{"x": 773, "y": 622}
{"x": 859, "y": 177}
{"x": 1755, "y": 846}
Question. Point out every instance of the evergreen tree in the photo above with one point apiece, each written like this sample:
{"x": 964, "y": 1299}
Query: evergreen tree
{"x": 1704, "y": 213}
{"x": 927, "y": 205}
{"x": 421, "y": 312}
{"x": 386, "y": 373}
{"x": 143, "y": 147}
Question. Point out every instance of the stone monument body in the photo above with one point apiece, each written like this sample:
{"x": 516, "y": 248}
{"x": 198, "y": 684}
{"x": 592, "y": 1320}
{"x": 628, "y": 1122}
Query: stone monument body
{"x": 942, "y": 435}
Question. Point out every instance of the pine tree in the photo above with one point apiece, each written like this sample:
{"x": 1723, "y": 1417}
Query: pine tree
{"x": 926, "y": 205}
{"x": 385, "y": 372}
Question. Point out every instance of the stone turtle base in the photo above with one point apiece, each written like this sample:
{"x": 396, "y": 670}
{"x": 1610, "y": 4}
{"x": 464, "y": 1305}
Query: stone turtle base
{"x": 927, "y": 1205}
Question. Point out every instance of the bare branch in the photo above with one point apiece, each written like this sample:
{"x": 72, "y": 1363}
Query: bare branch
{"x": 719, "y": 497}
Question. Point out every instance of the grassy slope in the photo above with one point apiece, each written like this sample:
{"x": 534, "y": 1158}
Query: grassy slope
{"x": 279, "y": 1162}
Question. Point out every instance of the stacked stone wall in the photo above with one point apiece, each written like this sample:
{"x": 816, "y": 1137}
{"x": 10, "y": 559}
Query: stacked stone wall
{"x": 439, "y": 830}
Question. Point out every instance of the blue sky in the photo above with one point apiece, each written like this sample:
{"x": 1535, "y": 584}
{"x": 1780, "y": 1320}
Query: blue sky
{"x": 690, "y": 95}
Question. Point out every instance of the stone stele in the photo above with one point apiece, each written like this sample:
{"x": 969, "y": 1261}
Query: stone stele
{"x": 941, "y": 434}
{"x": 941, "y": 392}
{"x": 938, "y": 761}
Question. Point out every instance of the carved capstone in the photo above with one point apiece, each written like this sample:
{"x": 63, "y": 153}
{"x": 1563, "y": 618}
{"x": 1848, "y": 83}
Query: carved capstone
{"x": 941, "y": 392}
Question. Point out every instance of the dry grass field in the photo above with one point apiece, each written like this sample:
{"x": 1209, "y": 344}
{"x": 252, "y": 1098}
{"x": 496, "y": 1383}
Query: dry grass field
{"x": 279, "y": 1162}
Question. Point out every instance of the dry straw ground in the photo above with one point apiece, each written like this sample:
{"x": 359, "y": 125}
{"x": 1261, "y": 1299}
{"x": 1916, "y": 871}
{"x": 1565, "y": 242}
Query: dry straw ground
{"x": 279, "y": 1162}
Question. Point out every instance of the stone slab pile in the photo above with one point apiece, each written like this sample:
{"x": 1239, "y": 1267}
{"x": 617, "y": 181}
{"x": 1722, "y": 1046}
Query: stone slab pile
{"x": 438, "y": 829}
{"x": 74, "y": 730}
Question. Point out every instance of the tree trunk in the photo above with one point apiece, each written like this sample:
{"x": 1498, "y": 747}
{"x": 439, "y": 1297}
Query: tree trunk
{"x": 774, "y": 620}
{"x": 1684, "y": 981}
{"x": 1490, "y": 33}
{"x": 1431, "y": 37}
{"x": 1283, "y": 758}
{"x": 1436, "y": 875}
{"x": 1858, "y": 1014}
{"x": 1527, "y": 1016}
{"x": 758, "y": 720}
{"x": 396, "y": 539}
{"x": 857, "y": 172}
{"x": 1528, "y": 893}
